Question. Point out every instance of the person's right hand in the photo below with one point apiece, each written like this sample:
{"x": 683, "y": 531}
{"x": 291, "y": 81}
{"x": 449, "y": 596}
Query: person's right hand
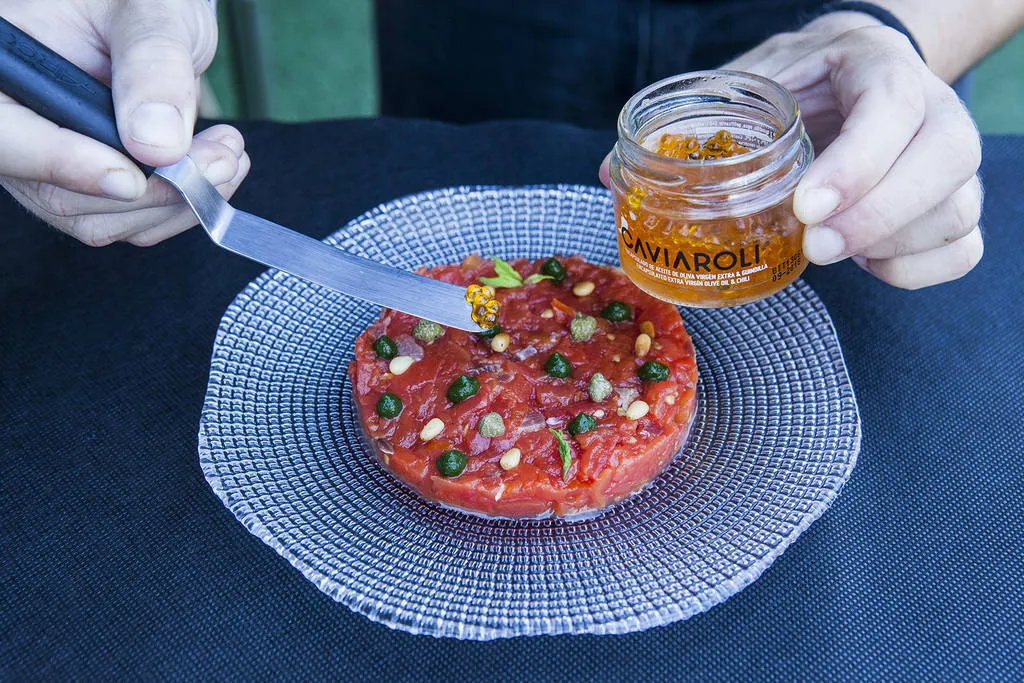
{"x": 151, "y": 52}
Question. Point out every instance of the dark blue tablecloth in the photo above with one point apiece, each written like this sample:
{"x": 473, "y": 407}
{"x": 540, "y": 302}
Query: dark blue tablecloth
{"x": 116, "y": 560}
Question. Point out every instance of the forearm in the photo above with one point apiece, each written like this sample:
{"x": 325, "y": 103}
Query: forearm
{"x": 954, "y": 35}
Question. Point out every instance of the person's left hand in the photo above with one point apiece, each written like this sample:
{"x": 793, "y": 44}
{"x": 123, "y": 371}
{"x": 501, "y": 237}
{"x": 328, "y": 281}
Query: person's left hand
{"x": 895, "y": 183}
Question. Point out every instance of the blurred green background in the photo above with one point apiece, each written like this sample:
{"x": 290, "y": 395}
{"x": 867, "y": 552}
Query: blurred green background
{"x": 317, "y": 61}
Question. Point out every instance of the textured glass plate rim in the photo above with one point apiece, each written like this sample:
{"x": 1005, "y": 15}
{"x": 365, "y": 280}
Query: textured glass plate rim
{"x": 355, "y": 600}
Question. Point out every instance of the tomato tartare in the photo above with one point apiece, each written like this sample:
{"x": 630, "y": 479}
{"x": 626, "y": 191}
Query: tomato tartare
{"x": 580, "y": 396}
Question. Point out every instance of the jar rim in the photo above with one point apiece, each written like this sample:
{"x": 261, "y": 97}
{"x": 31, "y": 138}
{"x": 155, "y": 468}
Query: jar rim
{"x": 786, "y": 102}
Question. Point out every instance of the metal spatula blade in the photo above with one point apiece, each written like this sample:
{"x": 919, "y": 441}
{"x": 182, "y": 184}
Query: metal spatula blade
{"x": 45, "y": 82}
{"x": 276, "y": 246}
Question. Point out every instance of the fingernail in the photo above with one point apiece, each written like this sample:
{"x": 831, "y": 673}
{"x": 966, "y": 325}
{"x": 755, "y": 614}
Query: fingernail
{"x": 121, "y": 184}
{"x": 157, "y": 124}
{"x": 814, "y": 205}
{"x": 221, "y": 171}
{"x": 823, "y": 245}
{"x": 861, "y": 261}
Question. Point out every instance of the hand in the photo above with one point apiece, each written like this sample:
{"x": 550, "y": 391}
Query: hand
{"x": 151, "y": 52}
{"x": 895, "y": 184}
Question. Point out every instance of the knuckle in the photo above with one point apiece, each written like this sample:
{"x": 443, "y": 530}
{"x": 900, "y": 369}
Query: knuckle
{"x": 969, "y": 250}
{"x": 53, "y": 200}
{"x": 146, "y": 238}
{"x": 896, "y": 272}
{"x": 868, "y": 222}
{"x": 912, "y": 100}
{"x": 964, "y": 146}
{"x": 778, "y": 40}
{"x": 853, "y": 186}
{"x": 88, "y": 232}
{"x": 960, "y": 136}
{"x": 966, "y": 208}
{"x": 185, "y": 30}
{"x": 156, "y": 52}
{"x": 901, "y": 86}
{"x": 205, "y": 37}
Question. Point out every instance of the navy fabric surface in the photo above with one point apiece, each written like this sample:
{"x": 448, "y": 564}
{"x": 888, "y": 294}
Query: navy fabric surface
{"x": 574, "y": 60}
{"x": 117, "y": 561}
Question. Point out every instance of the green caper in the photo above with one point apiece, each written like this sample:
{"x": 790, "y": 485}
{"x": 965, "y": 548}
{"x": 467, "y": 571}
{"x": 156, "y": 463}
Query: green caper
{"x": 428, "y": 331}
{"x": 491, "y": 425}
{"x": 462, "y": 388}
{"x": 451, "y": 463}
{"x": 580, "y": 424}
{"x": 558, "y": 366}
{"x": 554, "y": 269}
{"x": 384, "y": 347}
{"x": 616, "y": 312}
{"x": 653, "y": 371}
{"x": 599, "y": 387}
{"x": 582, "y": 327}
{"x": 491, "y": 333}
{"x": 389, "y": 406}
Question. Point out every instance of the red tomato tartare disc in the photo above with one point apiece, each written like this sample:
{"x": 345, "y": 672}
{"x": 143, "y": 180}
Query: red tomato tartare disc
{"x": 581, "y": 398}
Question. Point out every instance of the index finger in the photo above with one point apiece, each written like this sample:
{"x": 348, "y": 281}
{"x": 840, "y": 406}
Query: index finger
{"x": 877, "y": 86}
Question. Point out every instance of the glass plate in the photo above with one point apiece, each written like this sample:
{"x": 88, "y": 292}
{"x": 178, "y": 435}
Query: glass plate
{"x": 775, "y": 439}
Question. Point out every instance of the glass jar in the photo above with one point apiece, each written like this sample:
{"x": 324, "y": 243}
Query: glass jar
{"x": 714, "y": 232}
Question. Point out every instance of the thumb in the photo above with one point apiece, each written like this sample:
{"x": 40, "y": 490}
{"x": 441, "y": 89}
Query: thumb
{"x": 157, "y": 50}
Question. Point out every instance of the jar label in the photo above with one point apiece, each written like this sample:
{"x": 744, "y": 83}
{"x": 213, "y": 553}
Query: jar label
{"x": 683, "y": 265}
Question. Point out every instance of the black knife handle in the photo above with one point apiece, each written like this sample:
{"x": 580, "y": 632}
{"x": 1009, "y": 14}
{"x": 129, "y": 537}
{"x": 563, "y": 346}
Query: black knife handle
{"x": 53, "y": 87}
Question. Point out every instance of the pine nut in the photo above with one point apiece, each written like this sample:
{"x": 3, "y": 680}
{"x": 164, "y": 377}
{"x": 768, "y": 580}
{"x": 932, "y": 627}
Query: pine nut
{"x": 647, "y": 327}
{"x": 616, "y": 358}
{"x": 642, "y": 345}
{"x": 510, "y": 459}
{"x": 585, "y": 288}
{"x": 547, "y": 313}
{"x": 500, "y": 342}
{"x": 434, "y": 427}
{"x": 399, "y": 364}
{"x": 637, "y": 409}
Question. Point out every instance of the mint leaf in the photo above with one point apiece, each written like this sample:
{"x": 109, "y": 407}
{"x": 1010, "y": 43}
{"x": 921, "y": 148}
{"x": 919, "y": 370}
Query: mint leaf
{"x": 537, "y": 277}
{"x": 564, "y": 452}
{"x": 506, "y": 275}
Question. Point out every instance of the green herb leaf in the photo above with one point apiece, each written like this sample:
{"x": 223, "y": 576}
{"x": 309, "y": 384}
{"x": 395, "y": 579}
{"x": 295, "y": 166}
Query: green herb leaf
{"x": 537, "y": 277}
{"x": 506, "y": 275}
{"x": 564, "y": 452}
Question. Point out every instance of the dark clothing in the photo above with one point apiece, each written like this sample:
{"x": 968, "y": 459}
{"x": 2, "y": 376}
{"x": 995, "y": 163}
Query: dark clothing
{"x": 566, "y": 60}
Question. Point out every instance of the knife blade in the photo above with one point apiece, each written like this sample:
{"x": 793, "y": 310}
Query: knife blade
{"x": 53, "y": 87}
